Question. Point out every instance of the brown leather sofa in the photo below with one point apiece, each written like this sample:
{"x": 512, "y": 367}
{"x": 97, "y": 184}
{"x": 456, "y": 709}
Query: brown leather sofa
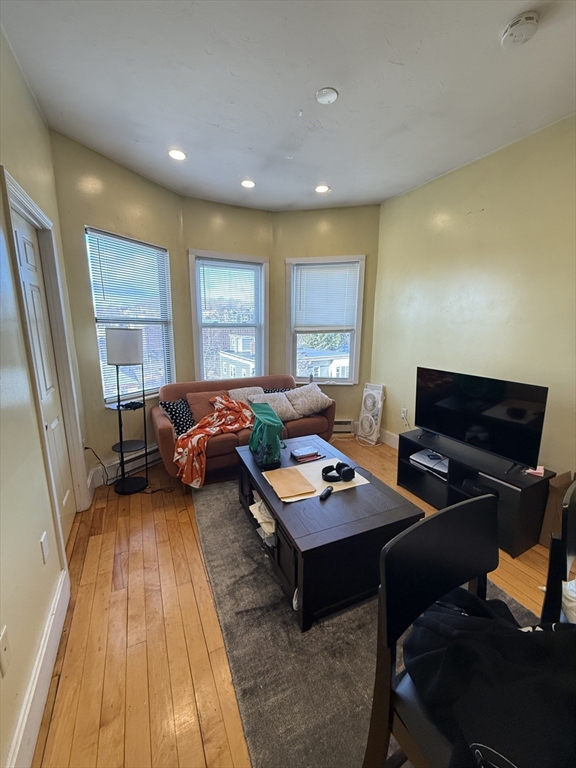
{"x": 220, "y": 450}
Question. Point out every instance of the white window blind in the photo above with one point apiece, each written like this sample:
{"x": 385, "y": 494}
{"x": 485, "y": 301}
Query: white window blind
{"x": 325, "y": 299}
{"x": 326, "y": 296}
{"x": 131, "y": 289}
{"x": 230, "y": 310}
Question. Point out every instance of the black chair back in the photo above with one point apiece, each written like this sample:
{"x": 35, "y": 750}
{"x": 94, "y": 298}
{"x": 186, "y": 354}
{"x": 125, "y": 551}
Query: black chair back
{"x": 569, "y": 529}
{"x": 444, "y": 551}
{"x": 561, "y": 557}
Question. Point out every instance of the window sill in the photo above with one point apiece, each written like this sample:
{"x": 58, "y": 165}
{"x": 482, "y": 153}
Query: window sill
{"x": 327, "y": 382}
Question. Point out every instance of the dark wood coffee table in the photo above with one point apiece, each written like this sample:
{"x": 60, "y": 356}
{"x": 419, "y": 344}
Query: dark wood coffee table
{"x": 326, "y": 554}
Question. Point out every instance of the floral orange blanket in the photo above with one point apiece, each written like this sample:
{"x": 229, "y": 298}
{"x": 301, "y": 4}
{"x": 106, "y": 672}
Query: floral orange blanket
{"x": 190, "y": 451}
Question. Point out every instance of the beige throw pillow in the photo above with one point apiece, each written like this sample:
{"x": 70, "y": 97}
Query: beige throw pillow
{"x": 308, "y": 400}
{"x": 279, "y": 404}
{"x": 243, "y": 393}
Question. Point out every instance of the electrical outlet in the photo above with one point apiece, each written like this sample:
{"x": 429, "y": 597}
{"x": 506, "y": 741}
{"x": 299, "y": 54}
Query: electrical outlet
{"x": 404, "y": 413}
{"x": 4, "y": 651}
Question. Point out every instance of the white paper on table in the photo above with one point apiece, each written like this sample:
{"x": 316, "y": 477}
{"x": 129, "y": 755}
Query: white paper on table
{"x": 312, "y": 471}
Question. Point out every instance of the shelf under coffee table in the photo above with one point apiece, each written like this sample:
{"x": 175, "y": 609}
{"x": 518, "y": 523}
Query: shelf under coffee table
{"x": 326, "y": 554}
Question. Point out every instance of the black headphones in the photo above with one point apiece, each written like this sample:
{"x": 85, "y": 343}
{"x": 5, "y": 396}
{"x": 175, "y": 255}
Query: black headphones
{"x": 333, "y": 474}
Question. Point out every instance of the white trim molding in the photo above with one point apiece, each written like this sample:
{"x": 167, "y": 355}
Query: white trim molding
{"x": 389, "y": 438}
{"x": 30, "y": 718}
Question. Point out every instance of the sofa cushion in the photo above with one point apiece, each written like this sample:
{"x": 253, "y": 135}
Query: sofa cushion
{"x": 243, "y": 393}
{"x": 279, "y": 404}
{"x": 181, "y": 389}
{"x": 312, "y": 425}
{"x": 180, "y": 415}
{"x": 220, "y": 445}
{"x": 244, "y": 436}
{"x": 200, "y": 404}
{"x": 308, "y": 400}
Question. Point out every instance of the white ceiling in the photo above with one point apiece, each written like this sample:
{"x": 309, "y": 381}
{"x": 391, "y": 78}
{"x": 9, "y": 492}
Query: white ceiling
{"x": 425, "y": 87}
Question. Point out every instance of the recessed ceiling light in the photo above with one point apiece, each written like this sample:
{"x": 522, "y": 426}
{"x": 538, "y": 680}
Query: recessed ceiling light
{"x": 177, "y": 154}
{"x": 326, "y": 95}
{"x": 248, "y": 183}
{"x": 322, "y": 188}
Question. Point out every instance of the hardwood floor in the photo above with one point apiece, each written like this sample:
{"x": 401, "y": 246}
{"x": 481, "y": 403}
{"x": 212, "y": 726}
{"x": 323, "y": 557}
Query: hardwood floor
{"x": 141, "y": 677}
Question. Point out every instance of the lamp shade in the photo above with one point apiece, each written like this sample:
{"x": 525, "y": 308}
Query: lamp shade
{"x": 124, "y": 346}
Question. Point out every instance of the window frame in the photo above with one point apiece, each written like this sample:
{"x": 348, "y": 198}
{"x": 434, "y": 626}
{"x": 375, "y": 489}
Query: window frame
{"x": 196, "y": 254}
{"x": 355, "y": 347}
{"x": 122, "y": 321}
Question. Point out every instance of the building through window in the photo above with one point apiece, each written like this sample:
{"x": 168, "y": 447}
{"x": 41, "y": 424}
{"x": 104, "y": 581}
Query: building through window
{"x": 229, "y": 294}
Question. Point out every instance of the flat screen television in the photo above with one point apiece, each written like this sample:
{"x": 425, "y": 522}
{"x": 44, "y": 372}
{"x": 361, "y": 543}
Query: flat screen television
{"x": 505, "y": 418}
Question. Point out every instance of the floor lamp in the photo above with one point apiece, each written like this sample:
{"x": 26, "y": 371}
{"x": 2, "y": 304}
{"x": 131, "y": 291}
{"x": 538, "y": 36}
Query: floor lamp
{"x": 124, "y": 347}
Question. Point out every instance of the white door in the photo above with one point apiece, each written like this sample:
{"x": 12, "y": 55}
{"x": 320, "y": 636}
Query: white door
{"x": 32, "y": 281}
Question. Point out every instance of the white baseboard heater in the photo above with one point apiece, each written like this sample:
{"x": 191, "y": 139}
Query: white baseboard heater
{"x": 345, "y": 426}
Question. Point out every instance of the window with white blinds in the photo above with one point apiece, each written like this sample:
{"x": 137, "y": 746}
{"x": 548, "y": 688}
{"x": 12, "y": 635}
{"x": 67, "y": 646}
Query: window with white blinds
{"x": 325, "y": 299}
{"x": 131, "y": 289}
{"x": 229, "y": 309}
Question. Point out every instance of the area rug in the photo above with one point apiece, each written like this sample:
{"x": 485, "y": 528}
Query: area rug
{"x": 304, "y": 698}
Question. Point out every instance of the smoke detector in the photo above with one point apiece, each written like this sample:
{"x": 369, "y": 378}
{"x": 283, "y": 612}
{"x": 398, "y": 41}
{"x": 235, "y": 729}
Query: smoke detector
{"x": 520, "y": 29}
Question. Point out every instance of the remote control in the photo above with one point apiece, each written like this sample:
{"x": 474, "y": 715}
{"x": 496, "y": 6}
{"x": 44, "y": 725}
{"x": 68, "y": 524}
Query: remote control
{"x": 326, "y": 492}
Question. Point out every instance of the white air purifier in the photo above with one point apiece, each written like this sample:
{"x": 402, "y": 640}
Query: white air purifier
{"x": 371, "y": 413}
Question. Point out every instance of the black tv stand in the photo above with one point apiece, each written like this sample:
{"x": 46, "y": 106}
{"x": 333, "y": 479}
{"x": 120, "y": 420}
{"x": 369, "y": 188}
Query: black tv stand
{"x": 521, "y": 497}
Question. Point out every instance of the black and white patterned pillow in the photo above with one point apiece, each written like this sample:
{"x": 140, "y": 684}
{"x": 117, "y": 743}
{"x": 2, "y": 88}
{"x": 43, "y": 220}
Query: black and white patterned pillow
{"x": 277, "y": 389}
{"x": 180, "y": 415}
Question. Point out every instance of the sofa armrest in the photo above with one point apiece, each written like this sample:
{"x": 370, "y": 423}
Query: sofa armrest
{"x": 165, "y": 438}
{"x": 329, "y": 414}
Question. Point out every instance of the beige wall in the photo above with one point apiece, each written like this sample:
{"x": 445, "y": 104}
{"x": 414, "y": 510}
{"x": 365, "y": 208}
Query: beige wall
{"x": 27, "y": 586}
{"x": 476, "y": 274}
{"x": 95, "y": 191}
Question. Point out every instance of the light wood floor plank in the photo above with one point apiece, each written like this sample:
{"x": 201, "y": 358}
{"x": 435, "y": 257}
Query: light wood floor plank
{"x": 181, "y": 569}
{"x": 72, "y": 537}
{"x": 137, "y": 735}
{"x": 230, "y": 711}
{"x": 120, "y": 571}
{"x": 136, "y": 605}
{"x": 90, "y": 570}
{"x": 59, "y": 742}
{"x": 45, "y": 724}
{"x": 148, "y": 531}
{"x": 106, "y": 564}
{"x": 122, "y": 534}
{"x": 162, "y": 732}
{"x": 159, "y": 517}
{"x": 111, "y": 517}
{"x": 169, "y": 502}
{"x": 123, "y": 506}
{"x": 202, "y": 590}
{"x": 100, "y": 496}
{"x": 112, "y": 715}
{"x": 86, "y": 730}
{"x": 188, "y": 736}
{"x": 214, "y": 736}
{"x": 97, "y": 521}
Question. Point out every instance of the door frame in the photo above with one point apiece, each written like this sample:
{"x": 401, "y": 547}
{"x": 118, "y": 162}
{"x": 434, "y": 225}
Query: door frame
{"x": 16, "y": 198}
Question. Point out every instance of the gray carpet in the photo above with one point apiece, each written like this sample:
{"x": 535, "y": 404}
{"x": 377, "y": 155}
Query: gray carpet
{"x": 304, "y": 698}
